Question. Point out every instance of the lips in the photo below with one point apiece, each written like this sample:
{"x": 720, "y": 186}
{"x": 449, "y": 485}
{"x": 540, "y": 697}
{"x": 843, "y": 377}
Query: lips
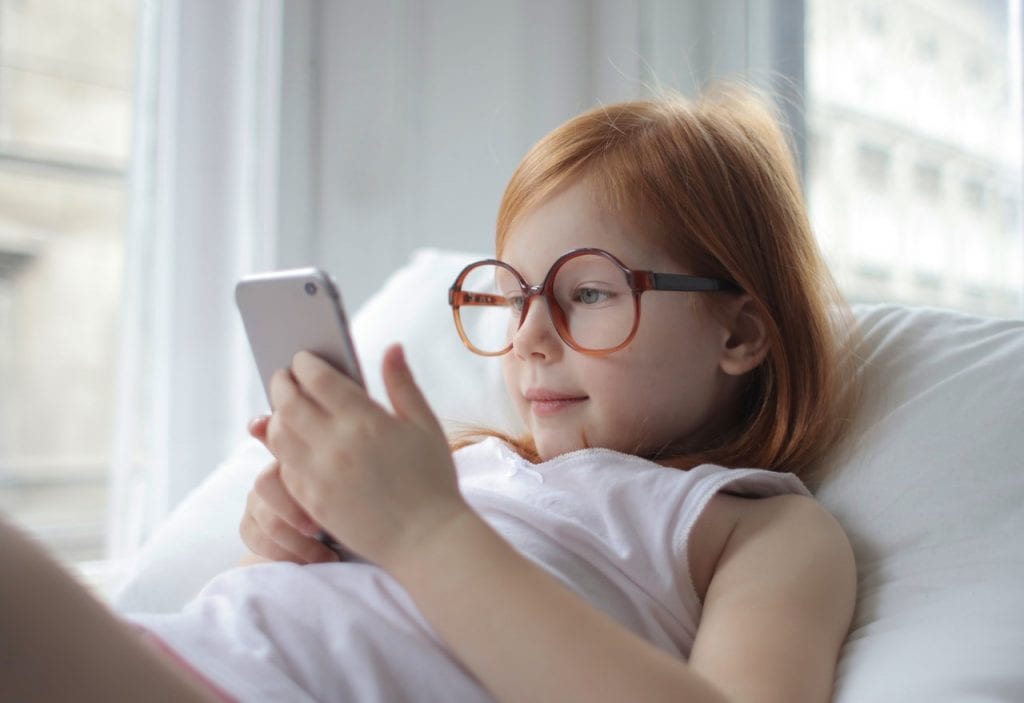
{"x": 547, "y": 402}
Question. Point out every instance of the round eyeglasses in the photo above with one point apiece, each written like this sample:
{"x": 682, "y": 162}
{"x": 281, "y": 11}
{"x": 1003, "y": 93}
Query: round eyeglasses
{"x": 592, "y": 297}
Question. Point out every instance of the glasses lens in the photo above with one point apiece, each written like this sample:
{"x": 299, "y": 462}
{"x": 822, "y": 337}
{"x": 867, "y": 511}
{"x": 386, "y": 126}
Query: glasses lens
{"x": 597, "y": 301}
{"x": 490, "y": 308}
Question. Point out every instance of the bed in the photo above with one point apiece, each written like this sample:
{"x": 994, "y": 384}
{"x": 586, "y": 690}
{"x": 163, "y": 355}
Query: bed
{"x": 929, "y": 486}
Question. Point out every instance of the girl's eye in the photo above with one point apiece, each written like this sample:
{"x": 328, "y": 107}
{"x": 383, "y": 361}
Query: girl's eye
{"x": 515, "y": 302}
{"x": 590, "y": 296}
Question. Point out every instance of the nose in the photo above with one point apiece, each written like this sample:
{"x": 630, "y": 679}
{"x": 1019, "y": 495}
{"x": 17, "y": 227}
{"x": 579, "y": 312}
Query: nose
{"x": 536, "y": 336}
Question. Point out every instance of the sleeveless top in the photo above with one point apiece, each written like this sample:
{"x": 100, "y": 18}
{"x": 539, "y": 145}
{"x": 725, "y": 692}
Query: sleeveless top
{"x": 613, "y": 527}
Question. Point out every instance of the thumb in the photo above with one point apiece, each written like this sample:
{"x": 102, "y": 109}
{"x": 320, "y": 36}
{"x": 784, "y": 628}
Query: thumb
{"x": 406, "y": 397}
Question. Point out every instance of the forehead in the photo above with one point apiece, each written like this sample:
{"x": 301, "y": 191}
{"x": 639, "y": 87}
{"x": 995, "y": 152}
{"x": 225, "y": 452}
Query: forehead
{"x": 571, "y": 218}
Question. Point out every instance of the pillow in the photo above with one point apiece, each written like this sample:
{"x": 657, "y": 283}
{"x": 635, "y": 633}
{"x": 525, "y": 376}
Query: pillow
{"x": 928, "y": 487}
{"x": 931, "y": 492}
{"x": 412, "y": 308}
{"x": 197, "y": 541}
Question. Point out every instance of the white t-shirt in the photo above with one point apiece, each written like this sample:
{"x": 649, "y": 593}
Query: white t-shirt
{"x": 613, "y": 527}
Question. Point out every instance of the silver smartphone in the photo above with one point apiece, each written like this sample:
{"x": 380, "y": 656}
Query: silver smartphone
{"x": 285, "y": 312}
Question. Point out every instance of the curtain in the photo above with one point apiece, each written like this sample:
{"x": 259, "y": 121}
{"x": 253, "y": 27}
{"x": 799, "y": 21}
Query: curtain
{"x": 204, "y": 194}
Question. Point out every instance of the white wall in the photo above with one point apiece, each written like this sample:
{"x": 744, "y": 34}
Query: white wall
{"x": 418, "y": 112}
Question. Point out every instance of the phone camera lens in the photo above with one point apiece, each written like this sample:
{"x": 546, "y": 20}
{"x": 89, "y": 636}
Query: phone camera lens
{"x": 310, "y": 289}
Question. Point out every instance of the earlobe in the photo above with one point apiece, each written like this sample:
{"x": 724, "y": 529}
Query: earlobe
{"x": 746, "y": 338}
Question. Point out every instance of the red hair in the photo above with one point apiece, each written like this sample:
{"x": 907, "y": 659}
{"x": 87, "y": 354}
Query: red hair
{"x": 714, "y": 184}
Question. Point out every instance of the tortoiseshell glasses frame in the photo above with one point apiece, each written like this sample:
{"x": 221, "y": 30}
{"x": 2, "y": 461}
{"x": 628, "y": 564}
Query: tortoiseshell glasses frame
{"x": 638, "y": 283}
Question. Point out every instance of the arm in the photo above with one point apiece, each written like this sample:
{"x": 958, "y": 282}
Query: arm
{"x": 775, "y": 615}
{"x": 385, "y": 485}
{"x": 779, "y": 600}
{"x": 525, "y": 635}
{"x": 58, "y": 643}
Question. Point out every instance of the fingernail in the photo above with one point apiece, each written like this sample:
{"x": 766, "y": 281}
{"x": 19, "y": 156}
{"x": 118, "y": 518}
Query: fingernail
{"x": 398, "y": 357}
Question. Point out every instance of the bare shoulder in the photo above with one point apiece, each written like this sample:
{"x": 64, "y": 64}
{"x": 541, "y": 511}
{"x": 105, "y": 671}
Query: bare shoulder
{"x": 793, "y": 517}
{"x": 796, "y": 521}
{"x": 779, "y": 597}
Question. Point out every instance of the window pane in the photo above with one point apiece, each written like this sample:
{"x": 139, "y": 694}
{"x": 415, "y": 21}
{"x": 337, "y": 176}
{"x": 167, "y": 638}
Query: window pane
{"x": 914, "y": 168}
{"x": 65, "y": 110}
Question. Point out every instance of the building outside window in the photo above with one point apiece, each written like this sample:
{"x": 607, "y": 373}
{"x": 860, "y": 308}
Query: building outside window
{"x": 66, "y": 76}
{"x": 914, "y": 169}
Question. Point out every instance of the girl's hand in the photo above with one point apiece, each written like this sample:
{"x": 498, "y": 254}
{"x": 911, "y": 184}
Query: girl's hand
{"x": 275, "y": 527}
{"x": 380, "y": 483}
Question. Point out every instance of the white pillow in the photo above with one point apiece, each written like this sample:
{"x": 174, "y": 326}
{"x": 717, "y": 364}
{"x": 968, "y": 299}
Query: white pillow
{"x": 412, "y": 308}
{"x": 930, "y": 487}
{"x": 931, "y": 492}
{"x": 198, "y": 540}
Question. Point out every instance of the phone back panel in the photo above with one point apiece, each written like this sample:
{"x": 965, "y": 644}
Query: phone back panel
{"x": 285, "y": 312}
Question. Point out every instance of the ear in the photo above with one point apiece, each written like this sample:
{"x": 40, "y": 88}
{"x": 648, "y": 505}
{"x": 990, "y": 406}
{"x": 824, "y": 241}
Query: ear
{"x": 744, "y": 338}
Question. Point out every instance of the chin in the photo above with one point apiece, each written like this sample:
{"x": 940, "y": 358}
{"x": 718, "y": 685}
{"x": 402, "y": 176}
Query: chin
{"x": 549, "y": 449}
{"x": 552, "y": 443}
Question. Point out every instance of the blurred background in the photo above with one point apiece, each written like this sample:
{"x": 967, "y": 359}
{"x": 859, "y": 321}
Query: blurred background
{"x": 152, "y": 152}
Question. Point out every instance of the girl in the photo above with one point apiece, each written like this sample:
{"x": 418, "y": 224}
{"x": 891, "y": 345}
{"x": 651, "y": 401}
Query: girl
{"x": 663, "y": 318}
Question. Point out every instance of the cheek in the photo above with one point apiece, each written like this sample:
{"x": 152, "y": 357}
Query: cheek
{"x": 508, "y": 372}
{"x": 637, "y": 389}
{"x": 660, "y": 391}
{"x": 645, "y": 414}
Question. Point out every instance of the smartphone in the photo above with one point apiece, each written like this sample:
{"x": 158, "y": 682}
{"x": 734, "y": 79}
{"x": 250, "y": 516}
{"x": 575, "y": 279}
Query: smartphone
{"x": 285, "y": 312}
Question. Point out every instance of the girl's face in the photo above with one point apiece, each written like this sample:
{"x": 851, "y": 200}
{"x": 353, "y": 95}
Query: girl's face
{"x": 667, "y": 387}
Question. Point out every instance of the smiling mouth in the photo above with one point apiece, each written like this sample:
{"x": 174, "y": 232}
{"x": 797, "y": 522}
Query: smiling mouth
{"x": 545, "y": 404}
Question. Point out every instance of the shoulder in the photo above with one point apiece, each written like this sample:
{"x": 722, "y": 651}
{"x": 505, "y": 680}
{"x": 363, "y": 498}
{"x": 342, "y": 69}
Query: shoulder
{"x": 731, "y": 525}
{"x": 789, "y": 528}
{"x": 774, "y": 535}
{"x": 783, "y": 583}
{"x": 782, "y": 517}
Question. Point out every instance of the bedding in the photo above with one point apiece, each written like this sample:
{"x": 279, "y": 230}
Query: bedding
{"x": 929, "y": 486}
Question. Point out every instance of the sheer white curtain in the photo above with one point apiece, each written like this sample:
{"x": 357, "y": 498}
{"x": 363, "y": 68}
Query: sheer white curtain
{"x": 205, "y": 194}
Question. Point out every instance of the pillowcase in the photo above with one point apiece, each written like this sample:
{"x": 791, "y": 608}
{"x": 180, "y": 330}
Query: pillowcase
{"x": 930, "y": 489}
{"x": 412, "y": 308}
{"x": 197, "y": 541}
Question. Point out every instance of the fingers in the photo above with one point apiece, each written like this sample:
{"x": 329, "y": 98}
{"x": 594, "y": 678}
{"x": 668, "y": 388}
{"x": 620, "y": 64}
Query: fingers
{"x": 336, "y": 393}
{"x": 283, "y": 544}
{"x": 271, "y": 491}
{"x": 258, "y": 427}
{"x": 329, "y": 388}
{"x": 294, "y": 417}
{"x": 275, "y": 527}
{"x": 406, "y": 397}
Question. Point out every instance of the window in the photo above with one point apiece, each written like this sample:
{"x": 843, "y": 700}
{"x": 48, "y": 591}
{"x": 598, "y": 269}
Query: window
{"x": 914, "y": 175}
{"x": 873, "y": 165}
{"x": 66, "y": 75}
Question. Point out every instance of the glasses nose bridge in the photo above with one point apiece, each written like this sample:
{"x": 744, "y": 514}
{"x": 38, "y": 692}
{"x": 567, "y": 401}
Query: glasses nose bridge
{"x": 529, "y": 294}
{"x": 544, "y": 291}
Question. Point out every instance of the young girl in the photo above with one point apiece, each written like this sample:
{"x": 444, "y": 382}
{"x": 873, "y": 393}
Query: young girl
{"x": 664, "y": 319}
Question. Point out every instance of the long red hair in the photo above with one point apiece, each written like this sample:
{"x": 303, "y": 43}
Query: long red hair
{"x": 714, "y": 184}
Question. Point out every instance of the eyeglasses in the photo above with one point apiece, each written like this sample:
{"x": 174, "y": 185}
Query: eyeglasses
{"x": 592, "y": 297}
